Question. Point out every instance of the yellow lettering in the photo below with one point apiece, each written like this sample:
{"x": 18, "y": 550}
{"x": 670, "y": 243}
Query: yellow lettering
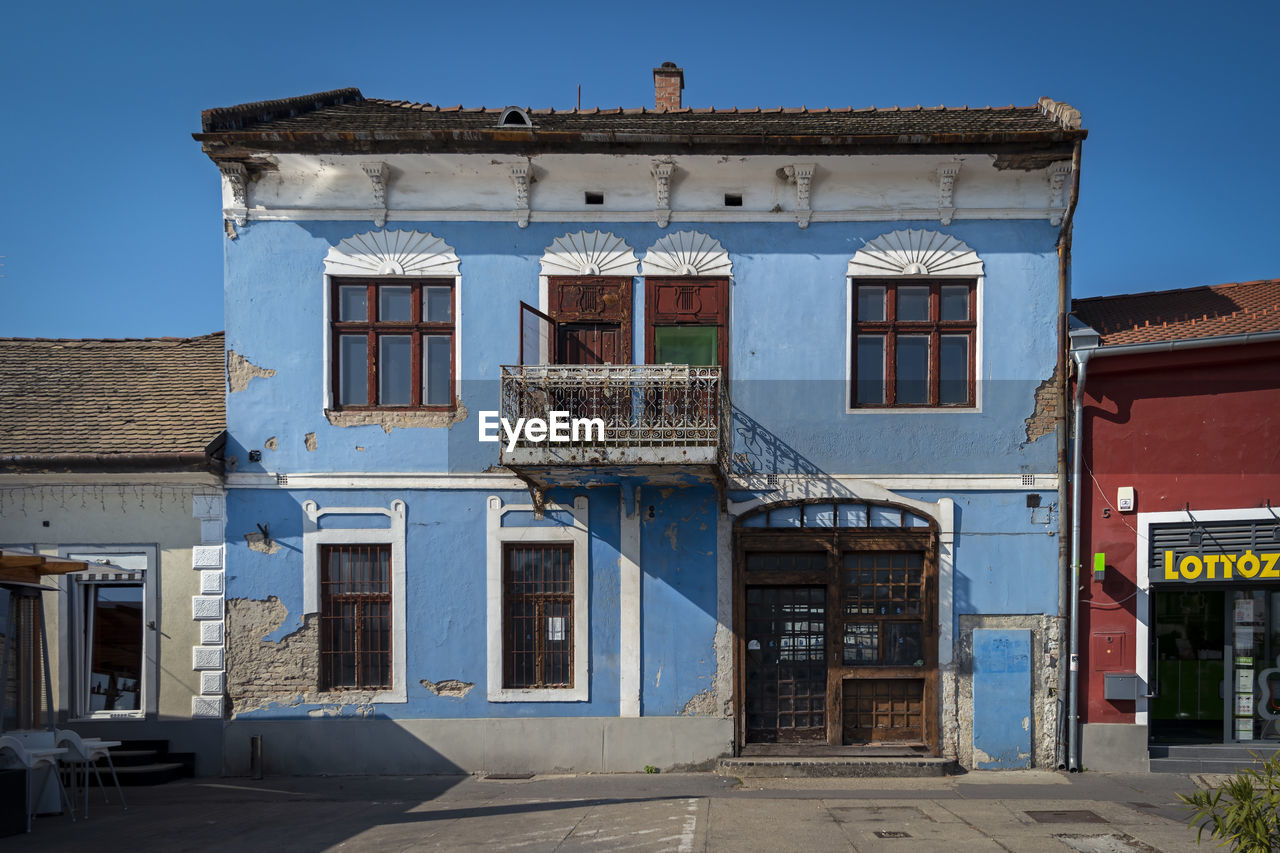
{"x": 1228, "y": 563}
{"x": 1170, "y": 573}
{"x": 1190, "y": 567}
{"x": 1248, "y": 564}
{"x": 1210, "y": 565}
{"x": 1269, "y": 569}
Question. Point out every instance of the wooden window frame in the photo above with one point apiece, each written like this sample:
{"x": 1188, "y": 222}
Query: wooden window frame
{"x": 372, "y": 328}
{"x": 361, "y": 600}
{"x": 510, "y": 598}
{"x": 891, "y": 328}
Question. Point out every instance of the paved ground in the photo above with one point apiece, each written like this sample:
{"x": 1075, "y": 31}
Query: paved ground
{"x": 1093, "y": 812}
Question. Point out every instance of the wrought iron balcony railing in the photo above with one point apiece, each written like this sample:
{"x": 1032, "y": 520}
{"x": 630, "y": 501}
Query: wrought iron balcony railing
{"x": 624, "y": 414}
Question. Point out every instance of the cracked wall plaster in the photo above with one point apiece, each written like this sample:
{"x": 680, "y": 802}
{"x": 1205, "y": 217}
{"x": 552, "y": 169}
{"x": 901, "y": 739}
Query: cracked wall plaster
{"x": 450, "y": 688}
{"x": 241, "y": 371}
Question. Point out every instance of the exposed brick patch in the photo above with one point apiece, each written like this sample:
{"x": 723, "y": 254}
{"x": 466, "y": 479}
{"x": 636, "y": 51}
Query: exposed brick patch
{"x": 1044, "y": 418}
{"x": 241, "y": 371}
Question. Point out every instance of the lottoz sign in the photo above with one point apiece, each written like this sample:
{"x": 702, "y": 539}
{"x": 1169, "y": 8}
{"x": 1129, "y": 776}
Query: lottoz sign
{"x": 1246, "y": 566}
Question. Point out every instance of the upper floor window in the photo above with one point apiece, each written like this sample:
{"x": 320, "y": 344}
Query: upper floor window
{"x": 393, "y": 343}
{"x": 913, "y": 343}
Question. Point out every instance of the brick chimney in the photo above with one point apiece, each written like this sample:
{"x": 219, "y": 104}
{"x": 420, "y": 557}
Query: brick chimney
{"x": 668, "y": 83}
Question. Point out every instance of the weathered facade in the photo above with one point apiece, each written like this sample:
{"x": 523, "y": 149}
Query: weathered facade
{"x": 1179, "y": 627}
{"x": 822, "y": 505}
{"x": 110, "y": 453}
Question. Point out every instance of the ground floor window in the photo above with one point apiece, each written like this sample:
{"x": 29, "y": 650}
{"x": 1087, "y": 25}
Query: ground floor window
{"x": 538, "y": 615}
{"x": 355, "y": 616}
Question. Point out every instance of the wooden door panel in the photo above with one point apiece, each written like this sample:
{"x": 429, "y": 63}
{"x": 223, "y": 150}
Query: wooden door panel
{"x": 786, "y": 664}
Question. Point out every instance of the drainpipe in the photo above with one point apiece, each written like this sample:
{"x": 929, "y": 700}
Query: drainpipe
{"x": 1064, "y": 307}
{"x": 1081, "y": 358}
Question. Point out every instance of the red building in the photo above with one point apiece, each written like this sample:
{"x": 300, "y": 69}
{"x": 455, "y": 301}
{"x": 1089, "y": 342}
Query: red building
{"x": 1178, "y": 540}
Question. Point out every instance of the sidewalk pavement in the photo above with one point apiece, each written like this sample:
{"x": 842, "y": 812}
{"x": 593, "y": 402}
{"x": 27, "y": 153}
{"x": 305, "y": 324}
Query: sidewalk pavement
{"x": 999, "y": 811}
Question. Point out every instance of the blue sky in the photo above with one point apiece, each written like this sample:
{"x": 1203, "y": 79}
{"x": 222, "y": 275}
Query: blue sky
{"x": 109, "y": 214}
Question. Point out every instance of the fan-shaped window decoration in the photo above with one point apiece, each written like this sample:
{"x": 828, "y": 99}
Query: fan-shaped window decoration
{"x": 515, "y": 117}
{"x": 687, "y": 253}
{"x": 412, "y": 253}
{"x": 916, "y": 252}
{"x": 589, "y": 253}
{"x": 829, "y": 514}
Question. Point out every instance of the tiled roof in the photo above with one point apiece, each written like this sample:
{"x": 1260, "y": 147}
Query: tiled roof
{"x": 1192, "y": 312}
{"x": 151, "y": 395}
{"x": 370, "y": 122}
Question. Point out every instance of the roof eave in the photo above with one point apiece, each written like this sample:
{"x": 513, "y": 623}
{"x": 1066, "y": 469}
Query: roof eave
{"x": 145, "y": 461}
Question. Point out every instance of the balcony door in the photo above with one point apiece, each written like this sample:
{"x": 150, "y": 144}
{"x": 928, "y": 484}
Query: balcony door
{"x": 687, "y": 321}
{"x": 592, "y": 316}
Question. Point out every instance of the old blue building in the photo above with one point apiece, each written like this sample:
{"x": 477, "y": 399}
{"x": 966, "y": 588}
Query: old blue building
{"x": 811, "y": 495}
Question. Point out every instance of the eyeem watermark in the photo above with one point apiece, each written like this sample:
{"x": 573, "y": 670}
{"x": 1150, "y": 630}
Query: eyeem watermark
{"x": 557, "y": 427}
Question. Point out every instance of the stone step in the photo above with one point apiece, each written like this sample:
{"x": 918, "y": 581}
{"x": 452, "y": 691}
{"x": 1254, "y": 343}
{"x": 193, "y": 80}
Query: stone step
{"x": 844, "y": 766}
{"x": 1198, "y": 765}
{"x": 1214, "y": 752}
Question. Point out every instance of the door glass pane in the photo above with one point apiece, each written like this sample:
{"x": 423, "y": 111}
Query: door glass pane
{"x": 114, "y": 622}
{"x": 353, "y": 383}
{"x": 395, "y": 304}
{"x": 437, "y": 304}
{"x": 870, "y": 304}
{"x": 861, "y": 644}
{"x": 394, "y": 379}
{"x": 697, "y": 345}
{"x": 955, "y": 302}
{"x": 351, "y": 301}
{"x": 913, "y": 369}
{"x": 1252, "y": 700}
{"x": 954, "y": 369}
{"x": 913, "y": 303}
{"x": 870, "y": 369}
{"x": 436, "y": 354}
{"x": 903, "y": 644}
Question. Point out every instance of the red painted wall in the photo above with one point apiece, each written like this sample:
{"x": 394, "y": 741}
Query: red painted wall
{"x": 1197, "y": 427}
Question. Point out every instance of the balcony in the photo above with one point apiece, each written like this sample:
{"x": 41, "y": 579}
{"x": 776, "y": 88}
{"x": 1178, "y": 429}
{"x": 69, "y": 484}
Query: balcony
{"x": 662, "y": 417}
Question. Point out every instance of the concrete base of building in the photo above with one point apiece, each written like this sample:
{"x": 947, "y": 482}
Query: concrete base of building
{"x": 360, "y": 746}
{"x": 851, "y": 767}
{"x": 201, "y": 737}
{"x": 1114, "y": 747}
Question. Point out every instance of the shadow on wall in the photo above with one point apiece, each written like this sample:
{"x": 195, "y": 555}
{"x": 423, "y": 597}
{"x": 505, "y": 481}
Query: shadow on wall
{"x": 371, "y": 745}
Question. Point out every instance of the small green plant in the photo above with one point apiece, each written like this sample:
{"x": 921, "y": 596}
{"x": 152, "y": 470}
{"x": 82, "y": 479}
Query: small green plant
{"x": 1244, "y": 811}
{"x": 649, "y": 768}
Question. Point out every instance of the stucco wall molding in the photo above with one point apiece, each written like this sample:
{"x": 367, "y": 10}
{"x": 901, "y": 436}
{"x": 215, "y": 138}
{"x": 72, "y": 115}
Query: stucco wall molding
{"x": 687, "y": 253}
{"x": 589, "y": 253}
{"x": 413, "y": 253}
{"x": 916, "y": 252}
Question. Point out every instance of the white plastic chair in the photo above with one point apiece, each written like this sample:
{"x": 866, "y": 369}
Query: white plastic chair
{"x": 84, "y": 752}
{"x": 33, "y": 758}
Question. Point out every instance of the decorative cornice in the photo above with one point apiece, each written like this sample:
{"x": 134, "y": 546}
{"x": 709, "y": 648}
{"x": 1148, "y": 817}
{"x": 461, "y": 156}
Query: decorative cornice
{"x": 687, "y": 253}
{"x": 378, "y": 174}
{"x": 237, "y": 177}
{"x": 392, "y": 253}
{"x": 801, "y": 174}
{"x": 589, "y": 253}
{"x": 1058, "y": 173}
{"x": 946, "y": 186}
{"x": 662, "y": 171}
{"x": 519, "y": 173}
{"x": 916, "y": 252}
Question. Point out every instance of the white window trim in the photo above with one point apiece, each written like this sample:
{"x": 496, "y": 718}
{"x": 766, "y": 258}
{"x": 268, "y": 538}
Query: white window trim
{"x": 313, "y": 537}
{"x": 388, "y": 256}
{"x": 903, "y": 255}
{"x": 1142, "y": 606}
{"x": 496, "y": 538}
{"x": 73, "y": 677}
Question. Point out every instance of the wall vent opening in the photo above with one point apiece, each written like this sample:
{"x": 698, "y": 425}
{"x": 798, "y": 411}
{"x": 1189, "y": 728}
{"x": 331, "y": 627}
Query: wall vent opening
{"x": 594, "y": 198}
{"x": 733, "y": 199}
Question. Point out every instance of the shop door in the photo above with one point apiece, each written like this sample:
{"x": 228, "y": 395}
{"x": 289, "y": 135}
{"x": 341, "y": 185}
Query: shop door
{"x": 1254, "y": 615}
{"x": 1189, "y": 666}
{"x": 786, "y": 664}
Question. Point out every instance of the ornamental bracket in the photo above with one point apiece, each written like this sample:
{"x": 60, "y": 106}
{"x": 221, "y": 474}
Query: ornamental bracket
{"x": 946, "y": 186}
{"x": 801, "y": 174}
{"x": 662, "y": 171}
{"x": 378, "y": 174}
{"x": 1058, "y": 173}
{"x": 237, "y": 177}
{"x": 520, "y": 177}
